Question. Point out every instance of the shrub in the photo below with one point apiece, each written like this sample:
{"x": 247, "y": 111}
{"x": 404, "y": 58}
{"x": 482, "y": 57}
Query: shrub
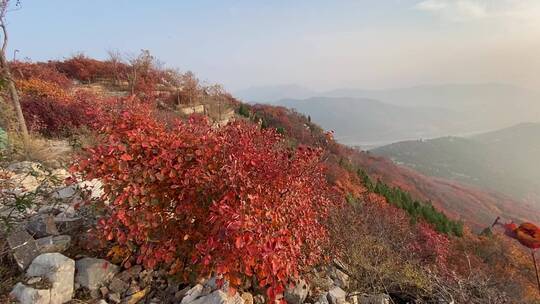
{"x": 45, "y": 71}
{"x": 52, "y": 117}
{"x": 37, "y": 88}
{"x": 233, "y": 200}
{"x": 81, "y": 68}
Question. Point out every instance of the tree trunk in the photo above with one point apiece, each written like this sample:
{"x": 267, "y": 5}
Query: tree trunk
{"x": 14, "y": 96}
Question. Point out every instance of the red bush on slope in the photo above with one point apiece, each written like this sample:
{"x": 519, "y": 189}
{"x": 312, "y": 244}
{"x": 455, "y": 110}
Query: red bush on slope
{"x": 233, "y": 200}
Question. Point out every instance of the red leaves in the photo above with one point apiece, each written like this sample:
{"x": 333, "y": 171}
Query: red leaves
{"x": 126, "y": 157}
{"x": 234, "y": 200}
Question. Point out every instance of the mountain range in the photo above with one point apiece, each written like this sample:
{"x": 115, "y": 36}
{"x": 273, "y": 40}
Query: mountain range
{"x": 369, "y": 118}
{"x": 505, "y": 160}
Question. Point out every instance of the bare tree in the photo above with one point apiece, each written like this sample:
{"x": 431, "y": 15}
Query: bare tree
{"x": 6, "y": 73}
{"x": 115, "y": 58}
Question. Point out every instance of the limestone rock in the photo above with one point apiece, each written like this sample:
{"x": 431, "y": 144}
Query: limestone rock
{"x": 297, "y": 294}
{"x": 29, "y": 295}
{"x": 337, "y": 295}
{"x": 66, "y": 225}
{"x": 323, "y": 299}
{"x": 93, "y": 273}
{"x": 192, "y": 294}
{"x": 340, "y": 278}
{"x": 59, "y": 270}
{"x": 219, "y": 297}
{"x": 23, "y": 247}
{"x": 52, "y": 244}
{"x": 42, "y": 225}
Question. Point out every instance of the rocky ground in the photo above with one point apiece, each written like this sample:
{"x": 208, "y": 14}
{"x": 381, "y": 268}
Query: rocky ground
{"x": 44, "y": 224}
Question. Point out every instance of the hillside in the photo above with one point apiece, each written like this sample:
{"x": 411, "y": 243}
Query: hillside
{"x": 504, "y": 161}
{"x": 173, "y": 203}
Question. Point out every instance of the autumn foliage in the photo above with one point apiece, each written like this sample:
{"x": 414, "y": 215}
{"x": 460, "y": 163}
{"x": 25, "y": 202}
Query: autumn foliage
{"x": 233, "y": 201}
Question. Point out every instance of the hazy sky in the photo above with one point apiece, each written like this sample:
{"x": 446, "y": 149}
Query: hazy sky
{"x": 320, "y": 44}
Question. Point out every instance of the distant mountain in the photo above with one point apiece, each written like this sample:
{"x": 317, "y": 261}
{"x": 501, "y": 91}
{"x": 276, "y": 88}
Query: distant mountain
{"x": 407, "y": 113}
{"x": 482, "y": 106}
{"x": 506, "y": 161}
{"x": 270, "y": 94}
{"x": 360, "y": 121}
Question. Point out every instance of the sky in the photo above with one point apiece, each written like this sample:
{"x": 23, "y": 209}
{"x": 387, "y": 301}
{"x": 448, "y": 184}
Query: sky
{"x": 320, "y": 44}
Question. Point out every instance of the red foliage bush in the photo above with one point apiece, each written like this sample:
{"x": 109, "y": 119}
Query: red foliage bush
{"x": 87, "y": 69}
{"x": 431, "y": 246}
{"x": 53, "y": 117}
{"x": 234, "y": 200}
{"x": 44, "y": 71}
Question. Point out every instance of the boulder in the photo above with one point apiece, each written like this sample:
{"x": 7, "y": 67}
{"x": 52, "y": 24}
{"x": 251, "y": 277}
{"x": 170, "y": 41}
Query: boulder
{"x": 298, "y": 293}
{"x": 29, "y": 295}
{"x": 93, "y": 273}
{"x": 23, "y": 247}
{"x": 52, "y": 244}
{"x": 218, "y": 297}
{"x": 336, "y": 295}
{"x": 59, "y": 270}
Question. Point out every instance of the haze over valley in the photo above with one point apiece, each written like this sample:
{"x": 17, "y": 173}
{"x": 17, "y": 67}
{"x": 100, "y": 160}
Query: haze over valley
{"x": 369, "y": 118}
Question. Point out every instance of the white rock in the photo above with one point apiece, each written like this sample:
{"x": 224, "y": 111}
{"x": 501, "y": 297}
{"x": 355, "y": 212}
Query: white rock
{"x": 60, "y": 174}
{"x": 26, "y": 167}
{"x": 26, "y": 181}
{"x": 340, "y": 278}
{"x": 297, "y": 294}
{"x": 33, "y": 280}
{"x": 29, "y": 295}
{"x": 95, "y": 186}
{"x": 50, "y": 244}
{"x": 192, "y": 294}
{"x": 65, "y": 193}
{"x": 323, "y": 298}
{"x": 337, "y": 295}
{"x": 59, "y": 270}
{"x": 219, "y": 297}
{"x": 93, "y": 273}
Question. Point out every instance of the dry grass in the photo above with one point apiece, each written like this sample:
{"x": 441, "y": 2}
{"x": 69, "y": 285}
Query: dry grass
{"x": 52, "y": 153}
